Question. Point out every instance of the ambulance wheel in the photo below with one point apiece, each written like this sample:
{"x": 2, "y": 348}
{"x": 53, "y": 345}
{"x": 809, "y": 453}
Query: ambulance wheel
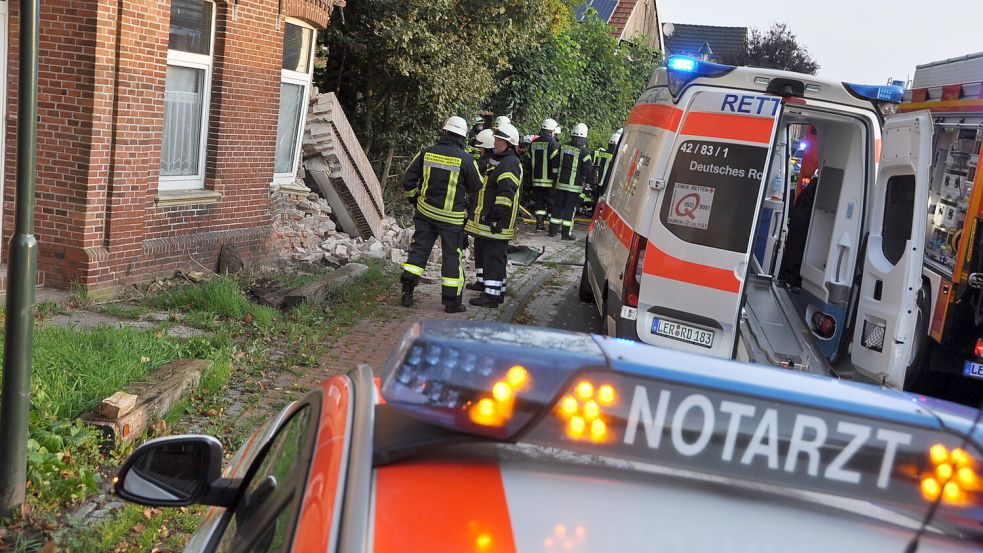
{"x": 917, "y": 369}
{"x": 584, "y": 291}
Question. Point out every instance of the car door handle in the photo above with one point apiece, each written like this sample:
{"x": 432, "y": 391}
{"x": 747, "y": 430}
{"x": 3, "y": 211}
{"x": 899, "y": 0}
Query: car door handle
{"x": 975, "y": 280}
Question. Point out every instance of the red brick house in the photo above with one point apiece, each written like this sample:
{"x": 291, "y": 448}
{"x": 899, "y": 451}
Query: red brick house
{"x": 163, "y": 127}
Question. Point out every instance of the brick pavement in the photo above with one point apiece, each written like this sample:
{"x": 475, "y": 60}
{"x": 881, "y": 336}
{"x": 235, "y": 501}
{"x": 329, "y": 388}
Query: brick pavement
{"x": 372, "y": 340}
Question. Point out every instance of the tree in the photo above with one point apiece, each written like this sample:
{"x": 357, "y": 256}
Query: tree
{"x": 778, "y": 48}
{"x": 400, "y": 68}
{"x": 578, "y": 73}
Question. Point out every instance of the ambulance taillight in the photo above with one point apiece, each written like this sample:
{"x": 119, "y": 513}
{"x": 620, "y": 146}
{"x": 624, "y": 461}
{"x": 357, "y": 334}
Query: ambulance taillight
{"x": 633, "y": 270}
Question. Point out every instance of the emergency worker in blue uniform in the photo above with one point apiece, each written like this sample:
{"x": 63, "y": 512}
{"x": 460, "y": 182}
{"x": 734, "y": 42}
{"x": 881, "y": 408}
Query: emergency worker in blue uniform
{"x": 575, "y": 165}
{"x": 544, "y": 162}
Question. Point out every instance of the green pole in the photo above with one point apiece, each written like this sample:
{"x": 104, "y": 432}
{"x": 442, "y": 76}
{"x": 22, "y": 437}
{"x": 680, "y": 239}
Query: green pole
{"x": 15, "y": 403}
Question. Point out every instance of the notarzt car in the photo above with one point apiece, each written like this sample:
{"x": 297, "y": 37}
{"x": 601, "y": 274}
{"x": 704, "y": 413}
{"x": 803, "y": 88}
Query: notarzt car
{"x": 492, "y": 437}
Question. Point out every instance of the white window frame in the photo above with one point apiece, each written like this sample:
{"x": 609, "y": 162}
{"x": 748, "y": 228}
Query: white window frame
{"x": 306, "y": 81}
{"x": 195, "y": 61}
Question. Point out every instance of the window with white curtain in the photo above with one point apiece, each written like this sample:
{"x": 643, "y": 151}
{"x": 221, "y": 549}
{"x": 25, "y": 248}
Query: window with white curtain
{"x": 186, "y": 95}
{"x": 295, "y": 84}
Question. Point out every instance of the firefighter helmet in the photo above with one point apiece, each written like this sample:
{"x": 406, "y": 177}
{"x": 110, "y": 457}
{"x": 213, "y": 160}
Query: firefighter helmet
{"x": 580, "y": 130}
{"x": 456, "y": 125}
{"x": 550, "y": 125}
{"x": 485, "y": 139}
{"x": 508, "y": 133}
{"x": 501, "y": 120}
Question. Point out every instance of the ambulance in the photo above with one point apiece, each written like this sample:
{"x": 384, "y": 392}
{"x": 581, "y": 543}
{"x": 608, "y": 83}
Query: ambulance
{"x": 952, "y": 275}
{"x": 702, "y": 243}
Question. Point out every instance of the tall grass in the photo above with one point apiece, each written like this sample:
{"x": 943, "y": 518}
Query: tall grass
{"x": 220, "y": 296}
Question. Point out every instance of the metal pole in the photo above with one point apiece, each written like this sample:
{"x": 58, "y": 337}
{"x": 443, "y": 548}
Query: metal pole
{"x": 15, "y": 403}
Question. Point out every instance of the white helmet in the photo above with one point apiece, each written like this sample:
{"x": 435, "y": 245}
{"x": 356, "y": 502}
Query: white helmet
{"x": 580, "y": 130}
{"x": 479, "y": 120}
{"x": 508, "y": 133}
{"x": 456, "y": 125}
{"x": 615, "y": 137}
{"x": 485, "y": 139}
{"x": 501, "y": 120}
{"x": 550, "y": 125}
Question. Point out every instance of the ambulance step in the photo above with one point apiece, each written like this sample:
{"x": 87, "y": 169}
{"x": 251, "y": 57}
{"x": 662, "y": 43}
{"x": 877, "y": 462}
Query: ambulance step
{"x": 774, "y": 333}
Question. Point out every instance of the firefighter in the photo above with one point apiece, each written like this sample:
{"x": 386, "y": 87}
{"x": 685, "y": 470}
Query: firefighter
{"x": 575, "y": 165}
{"x": 477, "y": 126}
{"x": 499, "y": 121}
{"x": 438, "y": 183}
{"x": 603, "y": 158}
{"x": 544, "y": 164}
{"x": 485, "y": 144}
{"x": 493, "y": 221}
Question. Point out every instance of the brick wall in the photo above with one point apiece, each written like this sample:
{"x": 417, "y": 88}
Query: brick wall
{"x": 101, "y": 82}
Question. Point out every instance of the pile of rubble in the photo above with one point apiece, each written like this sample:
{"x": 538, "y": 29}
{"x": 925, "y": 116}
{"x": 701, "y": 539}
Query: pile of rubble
{"x": 304, "y": 231}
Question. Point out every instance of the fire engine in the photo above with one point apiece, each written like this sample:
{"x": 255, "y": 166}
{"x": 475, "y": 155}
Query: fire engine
{"x": 952, "y": 274}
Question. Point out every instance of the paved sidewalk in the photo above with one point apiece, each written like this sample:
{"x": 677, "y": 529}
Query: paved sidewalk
{"x": 372, "y": 340}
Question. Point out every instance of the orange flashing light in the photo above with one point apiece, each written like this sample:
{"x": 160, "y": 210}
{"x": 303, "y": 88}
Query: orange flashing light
{"x": 483, "y": 542}
{"x": 582, "y": 411}
{"x": 954, "y": 477}
{"x": 605, "y": 394}
{"x": 517, "y": 376}
{"x": 501, "y": 392}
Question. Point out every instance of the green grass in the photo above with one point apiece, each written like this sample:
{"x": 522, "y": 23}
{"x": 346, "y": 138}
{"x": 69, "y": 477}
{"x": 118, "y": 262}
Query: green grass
{"x": 47, "y": 309}
{"x": 293, "y": 280}
{"x": 220, "y": 296}
{"x": 75, "y": 369}
{"x": 138, "y": 528}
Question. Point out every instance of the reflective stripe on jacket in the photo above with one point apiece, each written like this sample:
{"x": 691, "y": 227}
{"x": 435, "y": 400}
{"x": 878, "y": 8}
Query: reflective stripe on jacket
{"x": 575, "y": 164}
{"x": 440, "y": 178}
{"x": 498, "y": 199}
{"x": 544, "y": 155}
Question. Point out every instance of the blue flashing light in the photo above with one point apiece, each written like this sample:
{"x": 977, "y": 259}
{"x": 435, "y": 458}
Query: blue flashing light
{"x": 680, "y": 63}
{"x": 803, "y": 145}
{"x": 876, "y": 93}
{"x": 683, "y": 69}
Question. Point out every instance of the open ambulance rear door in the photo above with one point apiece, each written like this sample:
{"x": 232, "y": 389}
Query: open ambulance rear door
{"x": 700, "y": 236}
{"x": 886, "y": 314}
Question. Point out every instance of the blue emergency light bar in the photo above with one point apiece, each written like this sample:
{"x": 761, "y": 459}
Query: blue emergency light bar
{"x": 645, "y": 404}
{"x": 876, "y": 93}
{"x": 683, "y": 69}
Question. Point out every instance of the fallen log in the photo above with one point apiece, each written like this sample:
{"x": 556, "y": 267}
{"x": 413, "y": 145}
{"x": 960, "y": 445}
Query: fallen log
{"x": 153, "y": 398}
{"x": 315, "y": 292}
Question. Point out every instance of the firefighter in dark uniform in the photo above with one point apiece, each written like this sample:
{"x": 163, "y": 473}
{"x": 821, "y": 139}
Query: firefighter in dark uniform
{"x": 476, "y": 127}
{"x": 493, "y": 221}
{"x": 575, "y": 165}
{"x": 544, "y": 157}
{"x": 438, "y": 183}
{"x": 485, "y": 143}
{"x": 603, "y": 159}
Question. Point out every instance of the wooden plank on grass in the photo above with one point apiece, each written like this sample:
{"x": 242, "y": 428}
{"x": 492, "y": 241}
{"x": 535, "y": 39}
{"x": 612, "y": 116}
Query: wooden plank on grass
{"x": 315, "y": 292}
{"x": 155, "y": 396}
{"x": 117, "y": 404}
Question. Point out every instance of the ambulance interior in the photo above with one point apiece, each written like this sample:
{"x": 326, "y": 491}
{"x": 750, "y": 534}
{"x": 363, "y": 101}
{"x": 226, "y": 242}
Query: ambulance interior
{"x": 800, "y": 290}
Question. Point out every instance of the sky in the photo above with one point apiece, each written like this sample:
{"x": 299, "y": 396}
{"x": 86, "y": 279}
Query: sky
{"x": 861, "y": 41}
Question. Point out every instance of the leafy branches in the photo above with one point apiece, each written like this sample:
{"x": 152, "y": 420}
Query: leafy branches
{"x": 779, "y": 48}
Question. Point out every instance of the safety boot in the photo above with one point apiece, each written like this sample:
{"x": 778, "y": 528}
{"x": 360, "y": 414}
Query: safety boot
{"x": 540, "y": 223}
{"x": 454, "y": 307}
{"x": 553, "y": 229}
{"x": 565, "y": 235}
{"x": 407, "y": 298}
{"x": 485, "y": 300}
{"x": 476, "y": 286}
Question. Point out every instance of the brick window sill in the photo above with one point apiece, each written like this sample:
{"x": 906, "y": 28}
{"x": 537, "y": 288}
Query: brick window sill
{"x": 172, "y": 198}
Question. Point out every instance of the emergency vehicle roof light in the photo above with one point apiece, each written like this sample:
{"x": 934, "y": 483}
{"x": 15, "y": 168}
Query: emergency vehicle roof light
{"x": 683, "y": 69}
{"x": 489, "y": 379}
{"x": 640, "y": 404}
{"x": 876, "y": 93}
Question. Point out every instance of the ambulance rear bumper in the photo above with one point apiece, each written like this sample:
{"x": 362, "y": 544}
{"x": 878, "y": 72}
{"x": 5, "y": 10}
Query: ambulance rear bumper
{"x": 623, "y": 327}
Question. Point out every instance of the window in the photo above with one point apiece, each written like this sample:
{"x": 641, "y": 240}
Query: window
{"x": 899, "y": 209}
{"x": 265, "y": 517}
{"x": 295, "y": 84}
{"x": 186, "y": 94}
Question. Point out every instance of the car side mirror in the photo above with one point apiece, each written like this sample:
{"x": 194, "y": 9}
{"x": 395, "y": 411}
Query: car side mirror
{"x": 176, "y": 471}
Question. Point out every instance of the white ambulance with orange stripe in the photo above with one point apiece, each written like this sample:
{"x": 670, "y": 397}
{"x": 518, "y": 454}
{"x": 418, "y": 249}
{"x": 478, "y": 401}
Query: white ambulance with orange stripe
{"x": 703, "y": 243}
